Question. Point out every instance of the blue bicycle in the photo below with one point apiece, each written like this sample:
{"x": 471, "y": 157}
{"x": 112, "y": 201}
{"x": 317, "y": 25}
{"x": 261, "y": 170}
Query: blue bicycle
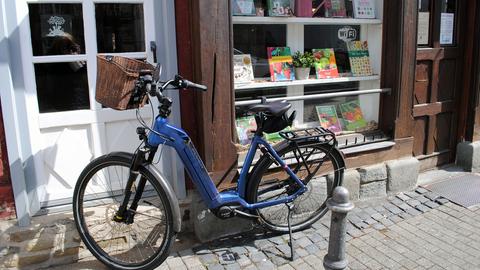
{"x": 128, "y": 215}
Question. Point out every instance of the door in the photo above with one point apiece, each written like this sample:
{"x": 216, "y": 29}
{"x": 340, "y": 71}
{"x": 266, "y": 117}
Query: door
{"x": 68, "y": 127}
{"x": 438, "y": 80}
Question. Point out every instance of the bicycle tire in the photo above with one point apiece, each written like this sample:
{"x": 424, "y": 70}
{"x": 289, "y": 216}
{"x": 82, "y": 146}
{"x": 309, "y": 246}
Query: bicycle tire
{"x": 277, "y": 222}
{"x": 151, "y": 249}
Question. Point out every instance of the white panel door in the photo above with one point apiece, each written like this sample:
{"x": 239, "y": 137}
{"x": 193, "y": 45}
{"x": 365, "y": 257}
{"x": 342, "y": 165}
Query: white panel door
{"x": 70, "y": 128}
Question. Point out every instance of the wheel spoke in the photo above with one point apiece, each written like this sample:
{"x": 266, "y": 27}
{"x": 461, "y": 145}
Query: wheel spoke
{"x": 307, "y": 162}
{"x": 120, "y": 243}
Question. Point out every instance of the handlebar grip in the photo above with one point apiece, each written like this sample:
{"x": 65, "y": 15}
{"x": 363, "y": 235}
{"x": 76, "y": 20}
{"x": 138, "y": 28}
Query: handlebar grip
{"x": 189, "y": 84}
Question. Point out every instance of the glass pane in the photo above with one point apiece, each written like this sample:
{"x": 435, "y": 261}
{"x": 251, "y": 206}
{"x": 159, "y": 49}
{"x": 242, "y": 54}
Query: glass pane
{"x": 327, "y": 36}
{"x": 56, "y": 29}
{"x": 309, "y": 110}
{"x": 447, "y": 22}
{"x": 120, "y": 28}
{"x": 254, "y": 40}
{"x": 62, "y": 86}
{"x": 250, "y": 94}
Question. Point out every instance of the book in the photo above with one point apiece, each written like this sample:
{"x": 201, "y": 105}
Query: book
{"x": 352, "y": 115}
{"x": 364, "y": 9}
{"x": 242, "y": 68}
{"x": 359, "y": 58}
{"x": 335, "y": 9}
{"x": 279, "y": 8}
{"x": 243, "y": 8}
{"x": 245, "y": 127}
{"x": 327, "y": 115}
{"x": 280, "y": 63}
{"x": 325, "y": 63}
{"x": 303, "y": 8}
{"x": 275, "y": 137}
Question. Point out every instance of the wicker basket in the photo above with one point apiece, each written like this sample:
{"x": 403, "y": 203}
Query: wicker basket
{"x": 116, "y": 78}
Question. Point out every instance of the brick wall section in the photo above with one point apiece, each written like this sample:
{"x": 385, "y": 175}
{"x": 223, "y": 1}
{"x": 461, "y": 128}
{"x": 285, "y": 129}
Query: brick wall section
{"x": 7, "y": 209}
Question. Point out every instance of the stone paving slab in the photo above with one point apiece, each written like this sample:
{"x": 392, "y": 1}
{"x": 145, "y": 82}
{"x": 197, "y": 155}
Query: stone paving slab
{"x": 435, "y": 234}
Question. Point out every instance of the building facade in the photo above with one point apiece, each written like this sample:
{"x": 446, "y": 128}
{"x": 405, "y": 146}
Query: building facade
{"x": 419, "y": 101}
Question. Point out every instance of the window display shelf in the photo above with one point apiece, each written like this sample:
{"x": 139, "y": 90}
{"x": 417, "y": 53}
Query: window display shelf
{"x": 302, "y": 20}
{"x": 263, "y": 83}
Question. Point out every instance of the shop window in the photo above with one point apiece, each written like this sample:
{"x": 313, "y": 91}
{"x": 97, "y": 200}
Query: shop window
{"x": 120, "y": 28}
{"x": 346, "y": 42}
{"x": 56, "y": 29}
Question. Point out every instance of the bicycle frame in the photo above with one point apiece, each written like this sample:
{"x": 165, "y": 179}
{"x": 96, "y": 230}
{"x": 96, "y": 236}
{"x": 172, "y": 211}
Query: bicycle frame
{"x": 177, "y": 138}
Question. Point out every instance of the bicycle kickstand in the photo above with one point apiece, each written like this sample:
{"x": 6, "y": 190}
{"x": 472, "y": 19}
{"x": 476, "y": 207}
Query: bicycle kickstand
{"x": 290, "y": 208}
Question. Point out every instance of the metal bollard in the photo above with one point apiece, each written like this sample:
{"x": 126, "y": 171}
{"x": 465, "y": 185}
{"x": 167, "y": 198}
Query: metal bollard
{"x": 340, "y": 205}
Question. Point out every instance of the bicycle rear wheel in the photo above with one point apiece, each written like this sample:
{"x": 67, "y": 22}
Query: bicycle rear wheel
{"x": 142, "y": 243}
{"x": 321, "y": 169}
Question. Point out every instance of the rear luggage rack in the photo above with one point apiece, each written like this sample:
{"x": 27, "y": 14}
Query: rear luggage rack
{"x": 317, "y": 134}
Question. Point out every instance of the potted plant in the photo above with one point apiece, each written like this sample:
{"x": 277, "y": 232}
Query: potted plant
{"x": 302, "y": 63}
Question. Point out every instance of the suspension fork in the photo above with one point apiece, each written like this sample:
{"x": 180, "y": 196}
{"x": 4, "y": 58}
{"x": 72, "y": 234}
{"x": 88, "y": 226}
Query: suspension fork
{"x": 137, "y": 160}
{"x": 143, "y": 181}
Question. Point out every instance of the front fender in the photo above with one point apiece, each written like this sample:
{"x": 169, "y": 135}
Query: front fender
{"x": 172, "y": 198}
{"x": 177, "y": 218}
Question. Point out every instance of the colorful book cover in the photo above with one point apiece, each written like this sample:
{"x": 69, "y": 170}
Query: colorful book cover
{"x": 359, "y": 58}
{"x": 364, "y": 9}
{"x": 279, "y": 8}
{"x": 335, "y": 9}
{"x": 328, "y": 118}
{"x": 352, "y": 115}
{"x": 275, "y": 137}
{"x": 244, "y": 8}
{"x": 245, "y": 128}
{"x": 281, "y": 64}
{"x": 325, "y": 63}
{"x": 242, "y": 68}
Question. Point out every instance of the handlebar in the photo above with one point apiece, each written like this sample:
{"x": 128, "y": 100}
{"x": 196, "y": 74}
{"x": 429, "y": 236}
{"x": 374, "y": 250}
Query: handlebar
{"x": 146, "y": 84}
{"x": 183, "y": 83}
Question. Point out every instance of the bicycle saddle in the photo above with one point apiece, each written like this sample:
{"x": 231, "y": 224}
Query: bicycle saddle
{"x": 275, "y": 108}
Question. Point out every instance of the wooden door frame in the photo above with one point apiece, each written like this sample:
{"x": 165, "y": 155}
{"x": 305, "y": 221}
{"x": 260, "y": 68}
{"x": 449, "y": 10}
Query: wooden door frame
{"x": 400, "y": 37}
{"x": 399, "y": 54}
{"x": 204, "y": 43}
{"x": 471, "y": 115}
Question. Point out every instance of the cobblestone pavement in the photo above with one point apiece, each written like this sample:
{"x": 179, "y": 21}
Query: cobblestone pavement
{"x": 411, "y": 230}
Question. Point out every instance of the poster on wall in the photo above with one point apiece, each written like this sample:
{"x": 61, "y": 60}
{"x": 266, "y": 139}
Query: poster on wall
{"x": 446, "y": 28}
{"x": 423, "y": 28}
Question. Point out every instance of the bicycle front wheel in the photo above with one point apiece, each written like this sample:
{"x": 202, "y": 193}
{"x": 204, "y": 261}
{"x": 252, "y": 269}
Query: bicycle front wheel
{"x": 319, "y": 167}
{"x": 141, "y": 243}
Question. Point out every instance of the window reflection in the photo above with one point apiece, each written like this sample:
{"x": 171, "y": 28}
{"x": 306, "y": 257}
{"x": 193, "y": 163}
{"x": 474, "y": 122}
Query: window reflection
{"x": 52, "y": 24}
{"x": 120, "y": 28}
{"x": 62, "y": 86}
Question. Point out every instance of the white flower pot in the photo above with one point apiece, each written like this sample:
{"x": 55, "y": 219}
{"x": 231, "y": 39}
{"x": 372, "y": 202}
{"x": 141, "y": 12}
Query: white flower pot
{"x": 302, "y": 73}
